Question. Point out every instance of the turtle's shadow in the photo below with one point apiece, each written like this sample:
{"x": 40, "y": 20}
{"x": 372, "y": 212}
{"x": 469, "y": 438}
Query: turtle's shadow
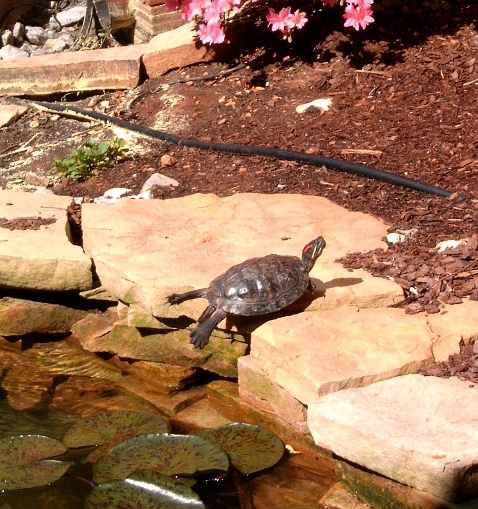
{"x": 249, "y": 324}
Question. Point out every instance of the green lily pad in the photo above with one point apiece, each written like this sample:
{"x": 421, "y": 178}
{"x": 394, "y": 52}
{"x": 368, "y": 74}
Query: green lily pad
{"x": 251, "y": 448}
{"x": 111, "y": 428}
{"x": 180, "y": 455}
{"x": 23, "y": 464}
{"x": 144, "y": 489}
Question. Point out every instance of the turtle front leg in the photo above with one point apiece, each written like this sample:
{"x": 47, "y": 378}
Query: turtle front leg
{"x": 200, "y": 335}
{"x": 177, "y": 298}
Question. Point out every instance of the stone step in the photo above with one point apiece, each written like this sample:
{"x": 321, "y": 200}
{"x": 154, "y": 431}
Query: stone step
{"x": 146, "y": 250}
{"x": 43, "y": 258}
{"x": 419, "y": 431}
{"x": 100, "y": 69}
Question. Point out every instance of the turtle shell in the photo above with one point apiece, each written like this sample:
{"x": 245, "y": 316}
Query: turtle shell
{"x": 259, "y": 285}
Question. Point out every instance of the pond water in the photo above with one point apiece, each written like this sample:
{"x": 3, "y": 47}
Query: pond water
{"x": 301, "y": 480}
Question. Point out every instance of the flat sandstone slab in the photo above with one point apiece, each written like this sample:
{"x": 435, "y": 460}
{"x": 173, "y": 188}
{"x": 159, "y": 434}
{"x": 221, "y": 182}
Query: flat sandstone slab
{"x": 313, "y": 354}
{"x": 42, "y": 259}
{"x": 101, "y": 69}
{"x": 146, "y": 250}
{"x": 420, "y": 431}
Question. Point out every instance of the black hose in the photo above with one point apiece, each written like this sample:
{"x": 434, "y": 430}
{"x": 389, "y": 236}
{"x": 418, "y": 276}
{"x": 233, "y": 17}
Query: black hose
{"x": 287, "y": 155}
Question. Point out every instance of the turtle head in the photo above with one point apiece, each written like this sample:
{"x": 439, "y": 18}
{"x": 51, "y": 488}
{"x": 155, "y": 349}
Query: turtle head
{"x": 312, "y": 251}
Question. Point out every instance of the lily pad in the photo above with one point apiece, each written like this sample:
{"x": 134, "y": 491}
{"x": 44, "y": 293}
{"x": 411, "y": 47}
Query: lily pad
{"x": 251, "y": 448}
{"x": 144, "y": 489}
{"x": 181, "y": 455}
{"x": 111, "y": 428}
{"x": 23, "y": 464}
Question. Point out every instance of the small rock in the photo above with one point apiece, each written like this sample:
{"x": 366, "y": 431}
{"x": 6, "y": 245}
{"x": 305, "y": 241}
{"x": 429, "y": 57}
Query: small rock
{"x": 36, "y": 35}
{"x": 10, "y": 112}
{"x": 7, "y": 38}
{"x": 68, "y": 16}
{"x": 54, "y": 45}
{"x": 18, "y": 32}
{"x": 322, "y": 104}
{"x": 167, "y": 160}
{"x": 10, "y": 53}
{"x": 158, "y": 180}
{"x": 395, "y": 238}
{"x": 43, "y": 190}
{"x": 112, "y": 195}
{"x": 31, "y": 179}
{"x": 449, "y": 244}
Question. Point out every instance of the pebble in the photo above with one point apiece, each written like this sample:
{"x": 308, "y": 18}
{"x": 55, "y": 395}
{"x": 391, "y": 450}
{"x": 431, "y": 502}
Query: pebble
{"x": 158, "y": 180}
{"x": 36, "y": 35}
{"x": 68, "y": 17}
{"x": 10, "y": 52}
{"x": 7, "y": 38}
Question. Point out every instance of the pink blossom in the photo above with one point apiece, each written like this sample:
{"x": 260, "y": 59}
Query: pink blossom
{"x": 278, "y": 21}
{"x": 296, "y": 20}
{"x": 358, "y": 13}
{"x": 330, "y": 3}
{"x": 285, "y": 21}
{"x": 211, "y": 33}
{"x": 192, "y": 8}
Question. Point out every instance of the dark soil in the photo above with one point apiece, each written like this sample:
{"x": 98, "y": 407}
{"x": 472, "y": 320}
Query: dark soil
{"x": 404, "y": 100}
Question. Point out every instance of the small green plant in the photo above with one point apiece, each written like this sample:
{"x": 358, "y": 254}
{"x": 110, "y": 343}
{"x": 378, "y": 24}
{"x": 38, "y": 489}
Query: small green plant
{"x": 88, "y": 160}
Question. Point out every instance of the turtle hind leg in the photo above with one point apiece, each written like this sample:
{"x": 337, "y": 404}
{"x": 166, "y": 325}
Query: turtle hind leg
{"x": 200, "y": 335}
{"x": 177, "y": 298}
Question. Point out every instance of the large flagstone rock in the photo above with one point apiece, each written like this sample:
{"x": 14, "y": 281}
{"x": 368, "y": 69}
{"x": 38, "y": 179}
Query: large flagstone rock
{"x": 43, "y": 258}
{"x": 145, "y": 250}
{"x": 313, "y": 354}
{"x": 419, "y": 431}
{"x": 100, "y": 69}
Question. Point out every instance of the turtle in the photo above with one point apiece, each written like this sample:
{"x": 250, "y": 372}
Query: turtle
{"x": 257, "y": 286}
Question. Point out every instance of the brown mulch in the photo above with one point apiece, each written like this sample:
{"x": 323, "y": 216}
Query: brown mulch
{"x": 26, "y": 223}
{"x": 404, "y": 100}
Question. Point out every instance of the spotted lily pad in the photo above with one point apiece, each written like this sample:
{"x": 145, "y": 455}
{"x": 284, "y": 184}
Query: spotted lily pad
{"x": 111, "y": 428}
{"x": 251, "y": 448}
{"x": 181, "y": 455}
{"x": 23, "y": 464}
{"x": 144, "y": 489}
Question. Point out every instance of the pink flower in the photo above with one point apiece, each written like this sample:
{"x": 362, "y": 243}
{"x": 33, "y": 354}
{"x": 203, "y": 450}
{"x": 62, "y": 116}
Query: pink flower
{"x": 211, "y": 33}
{"x": 285, "y": 21}
{"x": 330, "y": 3}
{"x": 192, "y": 8}
{"x": 296, "y": 20}
{"x": 358, "y": 13}
{"x": 278, "y": 21}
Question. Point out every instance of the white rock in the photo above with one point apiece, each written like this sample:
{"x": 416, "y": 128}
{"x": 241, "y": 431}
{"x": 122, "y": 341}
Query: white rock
{"x": 43, "y": 190}
{"x": 10, "y": 112}
{"x": 322, "y": 104}
{"x": 112, "y": 195}
{"x": 158, "y": 180}
{"x": 19, "y": 32}
{"x": 419, "y": 431}
{"x": 11, "y": 52}
{"x": 36, "y": 35}
{"x": 54, "y": 45}
{"x": 449, "y": 244}
{"x": 395, "y": 238}
{"x": 7, "y": 38}
{"x": 69, "y": 16}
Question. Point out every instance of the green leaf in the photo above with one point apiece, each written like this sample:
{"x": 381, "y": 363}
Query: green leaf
{"x": 181, "y": 455}
{"x": 251, "y": 448}
{"x": 144, "y": 489}
{"x": 22, "y": 463}
{"x": 111, "y": 428}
